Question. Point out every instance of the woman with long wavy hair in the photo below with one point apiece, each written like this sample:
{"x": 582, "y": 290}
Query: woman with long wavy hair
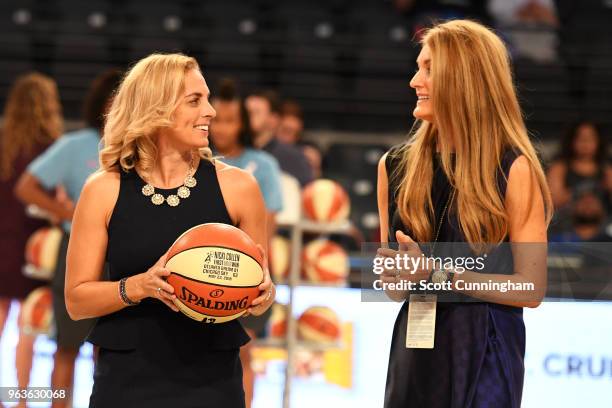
{"x": 467, "y": 174}
{"x": 32, "y": 121}
{"x": 157, "y": 180}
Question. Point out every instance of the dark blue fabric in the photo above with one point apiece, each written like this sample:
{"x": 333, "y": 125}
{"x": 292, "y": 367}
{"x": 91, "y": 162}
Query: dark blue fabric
{"x": 477, "y": 359}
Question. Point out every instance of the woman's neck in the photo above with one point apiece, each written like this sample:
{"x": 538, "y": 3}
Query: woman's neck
{"x": 171, "y": 165}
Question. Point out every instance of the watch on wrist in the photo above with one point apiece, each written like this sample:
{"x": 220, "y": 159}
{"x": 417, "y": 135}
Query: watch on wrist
{"x": 442, "y": 275}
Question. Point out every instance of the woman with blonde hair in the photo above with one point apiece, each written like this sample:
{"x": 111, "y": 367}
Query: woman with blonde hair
{"x": 32, "y": 121}
{"x": 157, "y": 180}
{"x": 468, "y": 174}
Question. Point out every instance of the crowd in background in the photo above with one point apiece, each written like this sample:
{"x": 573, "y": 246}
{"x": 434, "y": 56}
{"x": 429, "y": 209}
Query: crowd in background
{"x": 262, "y": 134}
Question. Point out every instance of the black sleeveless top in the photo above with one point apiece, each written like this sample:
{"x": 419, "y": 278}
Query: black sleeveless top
{"x": 584, "y": 183}
{"x": 139, "y": 233}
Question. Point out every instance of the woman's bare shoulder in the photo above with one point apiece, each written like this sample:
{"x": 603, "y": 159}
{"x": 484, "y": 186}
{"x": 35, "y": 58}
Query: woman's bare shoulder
{"x": 234, "y": 177}
{"x": 103, "y": 180}
{"x": 100, "y": 192}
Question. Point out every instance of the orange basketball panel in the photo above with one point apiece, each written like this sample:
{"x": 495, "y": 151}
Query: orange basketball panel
{"x": 320, "y": 324}
{"x": 210, "y": 299}
{"x": 35, "y": 249}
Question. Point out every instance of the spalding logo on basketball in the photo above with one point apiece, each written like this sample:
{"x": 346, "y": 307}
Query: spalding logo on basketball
{"x": 215, "y": 271}
{"x": 217, "y": 293}
{"x": 325, "y": 201}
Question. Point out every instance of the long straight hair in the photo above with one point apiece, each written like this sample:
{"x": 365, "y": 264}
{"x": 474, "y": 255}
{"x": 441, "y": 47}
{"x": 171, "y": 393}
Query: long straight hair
{"x": 475, "y": 103}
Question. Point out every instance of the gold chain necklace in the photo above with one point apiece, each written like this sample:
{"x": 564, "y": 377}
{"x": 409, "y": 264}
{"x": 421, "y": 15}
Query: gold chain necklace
{"x": 173, "y": 199}
{"x": 450, "y": 198}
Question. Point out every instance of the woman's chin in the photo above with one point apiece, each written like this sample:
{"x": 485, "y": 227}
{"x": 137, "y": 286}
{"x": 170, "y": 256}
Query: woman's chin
{"x": 201, "y": 143}
{"x": 418, "y": 114}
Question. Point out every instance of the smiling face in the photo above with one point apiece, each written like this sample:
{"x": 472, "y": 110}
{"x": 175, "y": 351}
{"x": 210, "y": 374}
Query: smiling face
{"x": 193, "y": 114}
{"x": 421, "y": 82}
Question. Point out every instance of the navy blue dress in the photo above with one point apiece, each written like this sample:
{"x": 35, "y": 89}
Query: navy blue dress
{"x": 477, "y": 360}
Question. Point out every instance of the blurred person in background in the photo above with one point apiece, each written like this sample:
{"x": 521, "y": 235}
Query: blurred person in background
{"x": 588, "y": 218}
{"x": 423, "y": 12}
{"x": 264, "y": 114}
{"x": 530, "y": 25}
{"x": 232, "y": 138}
{"x": 291, "y": 123}
{"x": 582, "y": 165}
{"x": 32, "y": 121}
{"x": 68, "y": 162}
{"x": 290, "y": 132}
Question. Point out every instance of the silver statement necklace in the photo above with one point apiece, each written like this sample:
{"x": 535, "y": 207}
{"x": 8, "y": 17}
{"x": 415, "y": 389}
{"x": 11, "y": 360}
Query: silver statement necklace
{"x": 173, "y": 199}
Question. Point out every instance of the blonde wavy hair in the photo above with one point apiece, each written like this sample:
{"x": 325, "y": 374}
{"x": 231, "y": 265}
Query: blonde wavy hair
{"x": 473, "y": 99}
{"x": 32, "y": 117}
{"x": 144, "y": 103}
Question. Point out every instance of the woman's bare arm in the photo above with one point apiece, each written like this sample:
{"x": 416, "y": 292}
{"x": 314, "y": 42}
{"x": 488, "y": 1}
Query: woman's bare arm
{"x": 29, "y": 191}
{"x": 86, "y": 295}
{"x": 527, "y": 230}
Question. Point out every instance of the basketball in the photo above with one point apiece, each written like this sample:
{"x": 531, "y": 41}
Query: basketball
{"x": 325, "y": 201}
{"x": 319, "y": 324}
{"x": 37, "y": 313}
{"x": 280, "y": 256}
{"x": 41, "y": 253}
{"x": 216, "y": 270}
{"x": 278, "y": 321}
{"x": 324, "y": 261}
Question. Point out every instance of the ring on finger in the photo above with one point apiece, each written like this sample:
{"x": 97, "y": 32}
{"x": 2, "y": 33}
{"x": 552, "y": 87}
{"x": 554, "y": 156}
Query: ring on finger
{"x": 159, "y": 291}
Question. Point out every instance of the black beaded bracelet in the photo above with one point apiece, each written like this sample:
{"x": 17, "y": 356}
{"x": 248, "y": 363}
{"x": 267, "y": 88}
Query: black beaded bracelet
{"x": 123, "y": 295}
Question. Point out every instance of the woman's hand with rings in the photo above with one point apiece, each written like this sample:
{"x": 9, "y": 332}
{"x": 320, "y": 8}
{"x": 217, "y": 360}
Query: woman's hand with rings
{"x": 268, "y": 291}
{"x": 153, "y": 284}
{"x": 407, "y": 249}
